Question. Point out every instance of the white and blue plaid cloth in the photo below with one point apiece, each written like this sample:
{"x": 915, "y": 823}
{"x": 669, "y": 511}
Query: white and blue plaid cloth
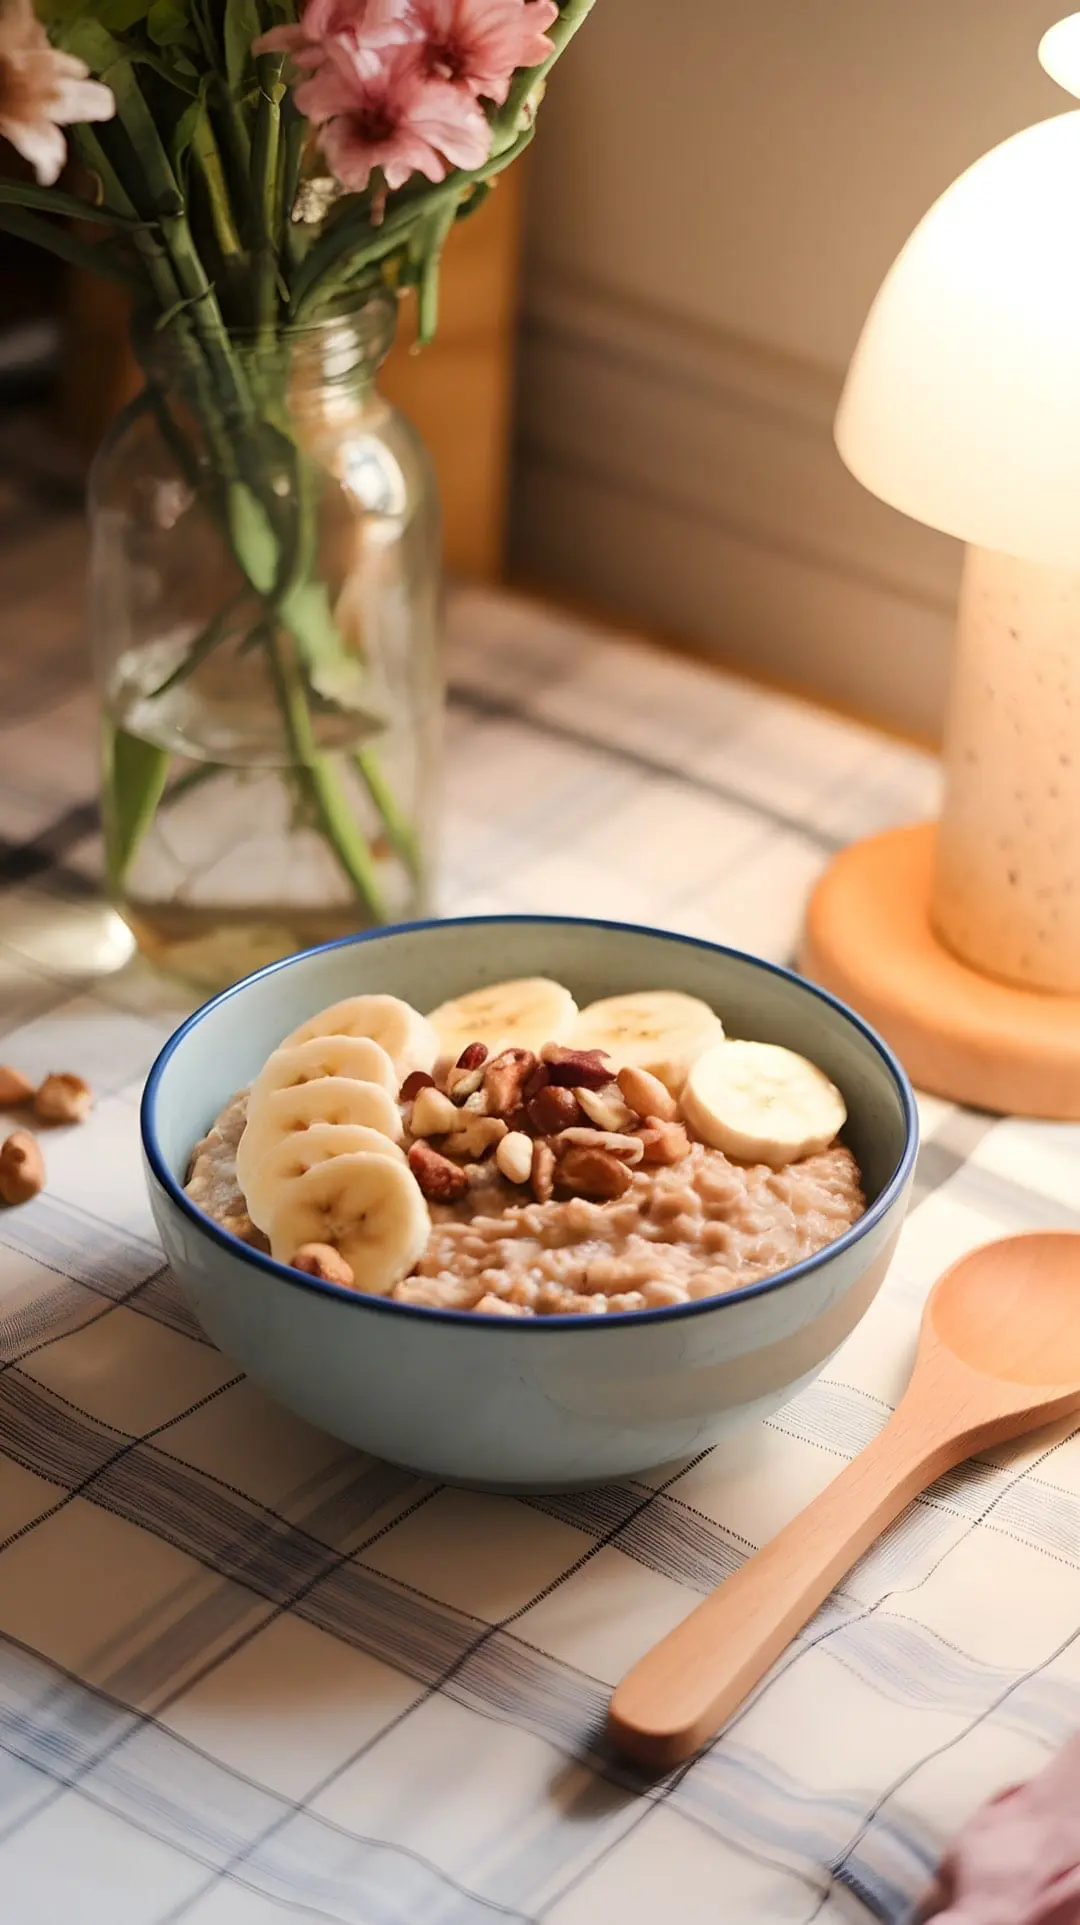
{"x": 248, "y": 1676}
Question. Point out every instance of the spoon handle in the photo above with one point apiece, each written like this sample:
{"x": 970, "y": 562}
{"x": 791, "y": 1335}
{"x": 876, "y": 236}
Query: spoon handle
{"x": 678, "y": 1696}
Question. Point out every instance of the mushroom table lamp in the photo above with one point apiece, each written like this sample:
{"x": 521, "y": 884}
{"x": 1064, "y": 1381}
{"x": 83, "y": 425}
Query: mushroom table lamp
{"x": 961, "y": 940}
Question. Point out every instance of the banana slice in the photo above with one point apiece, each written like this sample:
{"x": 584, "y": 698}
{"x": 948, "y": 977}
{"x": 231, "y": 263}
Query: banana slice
{"x": 331, "y": 1100}
{"x": 526, "y": 1014}
{"x": 659, "y": 1030}
{"x": 291, "y": 1156}
{"x": 370, "y": 1208}
{"x": 297, "y": 1063}
{"x": 405, "y": 1035}
{"x": 762, "y": 1104}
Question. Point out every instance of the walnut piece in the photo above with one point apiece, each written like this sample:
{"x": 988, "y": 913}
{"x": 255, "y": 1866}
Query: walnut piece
{"x": 505, "y": 1078}
{"x": 64, "y": 1098}
{"x": 475, "y": 1136}
{"x": 22, "y": 1167}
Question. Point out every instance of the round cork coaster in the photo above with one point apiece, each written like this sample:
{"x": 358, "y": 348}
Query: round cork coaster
{"x": 959, "y": 1035}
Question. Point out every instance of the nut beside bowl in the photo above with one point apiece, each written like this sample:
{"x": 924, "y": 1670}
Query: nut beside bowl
{"x": 505, "y": 1403}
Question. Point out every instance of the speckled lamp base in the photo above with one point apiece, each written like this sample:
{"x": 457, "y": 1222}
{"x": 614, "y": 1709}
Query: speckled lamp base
{"x": 868, "y": 938}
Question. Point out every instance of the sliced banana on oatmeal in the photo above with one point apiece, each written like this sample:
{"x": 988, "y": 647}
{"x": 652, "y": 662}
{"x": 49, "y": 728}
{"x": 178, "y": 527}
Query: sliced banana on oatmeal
{"x": 295, "y": 1064}
{"x": 658, "y": 1030}
{"x": 526, "y": 1014}
{"x": 760, "y": 1103}
{"x": 333, "y": 1100}
{"x": 291, "y": 1156}
{"x": 368, "y": 1208}
{"x": 405, "y": 1035}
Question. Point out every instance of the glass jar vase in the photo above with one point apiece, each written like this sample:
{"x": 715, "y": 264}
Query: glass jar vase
{"x": 264, "y": 604}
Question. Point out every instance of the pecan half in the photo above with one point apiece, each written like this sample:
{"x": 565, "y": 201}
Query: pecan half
{"x": 22, "y": 1167}
{"x": 663, "y": 1142}
{"x": 505, "y": 1078}
{"x": 543, "y": 1171}
{"x": 576, "y": 1068}
{"x": 593, "y": 1173}
{"x": 440, "y": 1180}
{"x": 552, "y": 1110}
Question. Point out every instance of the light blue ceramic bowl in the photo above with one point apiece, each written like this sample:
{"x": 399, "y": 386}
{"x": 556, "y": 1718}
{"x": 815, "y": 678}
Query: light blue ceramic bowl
{"x": 560, "y": 1401}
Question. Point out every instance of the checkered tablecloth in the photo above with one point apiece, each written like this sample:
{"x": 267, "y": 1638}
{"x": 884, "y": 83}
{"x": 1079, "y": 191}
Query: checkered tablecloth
{"x": 247, "y": 1675}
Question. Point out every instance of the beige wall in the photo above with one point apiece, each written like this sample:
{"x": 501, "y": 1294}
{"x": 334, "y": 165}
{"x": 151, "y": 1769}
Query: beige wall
{"x": 713, "y": 204}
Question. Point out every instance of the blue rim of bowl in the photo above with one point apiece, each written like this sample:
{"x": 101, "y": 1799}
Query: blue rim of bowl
{"x": 571, "y": 1320}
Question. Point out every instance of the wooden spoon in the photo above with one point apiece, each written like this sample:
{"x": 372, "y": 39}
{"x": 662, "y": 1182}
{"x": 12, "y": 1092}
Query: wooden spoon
{"x": 999, "y": 1354}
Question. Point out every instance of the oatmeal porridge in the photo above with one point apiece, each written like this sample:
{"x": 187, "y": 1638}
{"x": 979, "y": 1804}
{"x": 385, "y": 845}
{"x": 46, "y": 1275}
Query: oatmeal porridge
{"x": 513, "y": 1156}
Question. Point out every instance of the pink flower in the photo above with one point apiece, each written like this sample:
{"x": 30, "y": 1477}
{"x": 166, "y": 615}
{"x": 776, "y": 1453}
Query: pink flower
{"x": 42, "y": 90}
{"x": 479, "y": 44}
{"x": 393, "y": 118}
{"x": 369, "y": 26}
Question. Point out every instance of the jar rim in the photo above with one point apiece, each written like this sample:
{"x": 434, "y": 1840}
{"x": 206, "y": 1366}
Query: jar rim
{"x": 367, "y": 323}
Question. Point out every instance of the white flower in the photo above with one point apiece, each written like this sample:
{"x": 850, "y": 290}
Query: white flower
{"x": 42, "y": 90}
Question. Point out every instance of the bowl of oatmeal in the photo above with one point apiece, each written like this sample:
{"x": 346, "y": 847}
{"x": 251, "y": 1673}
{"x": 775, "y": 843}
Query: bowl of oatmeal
{"x": 528, "y": 1203}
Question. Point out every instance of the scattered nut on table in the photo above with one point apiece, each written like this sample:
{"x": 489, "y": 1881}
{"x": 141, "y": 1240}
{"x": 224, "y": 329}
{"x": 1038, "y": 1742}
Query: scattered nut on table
{"x": 64, "y": 1098}
{"x": 22, "y": 1167}
{"x": 323, "y": 1261}
{"x": 15, "y": 1088}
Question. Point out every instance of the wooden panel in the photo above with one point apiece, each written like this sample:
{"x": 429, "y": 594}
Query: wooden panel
{"x": 458, "y": 392}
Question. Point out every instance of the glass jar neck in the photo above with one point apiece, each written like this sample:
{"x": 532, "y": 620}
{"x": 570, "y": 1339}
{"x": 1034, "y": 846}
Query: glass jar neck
{"x": 341, "y": 353}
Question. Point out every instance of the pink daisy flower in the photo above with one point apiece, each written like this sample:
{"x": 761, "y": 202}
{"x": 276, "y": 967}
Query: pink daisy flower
{"x": 42, "y": 90}
{"x": 480, "y": 44}
{"x": 393, "y": 118}
{"x": 370, "y": 26}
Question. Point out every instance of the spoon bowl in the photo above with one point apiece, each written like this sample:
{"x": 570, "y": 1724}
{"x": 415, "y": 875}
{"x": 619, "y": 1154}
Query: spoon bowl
{"x": 998, "y": 1355}
{"x": 1010, "y": 1310}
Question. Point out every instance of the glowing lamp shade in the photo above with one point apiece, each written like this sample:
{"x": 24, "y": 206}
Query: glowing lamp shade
{"x": 962, "y": 404}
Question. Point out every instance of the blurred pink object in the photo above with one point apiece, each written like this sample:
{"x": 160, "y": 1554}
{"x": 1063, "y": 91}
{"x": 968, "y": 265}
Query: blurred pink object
{"x": 42, "y": 90}
{"x": 370, "y": 26}
{"x": 1017, "y": 1861}
{"x": 394, "y": 118}
{"x": 479, "y": 44}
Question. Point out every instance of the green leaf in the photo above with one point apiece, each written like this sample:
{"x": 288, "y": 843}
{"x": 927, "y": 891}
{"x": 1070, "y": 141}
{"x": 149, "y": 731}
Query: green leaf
{"x": 49, "y": 200}
{"x": 242, "y": 27}
{"x": 119, "y": 15}
{"x": 169, "y": 25}
{"x": 186, "y": 128}
{"x": 135, "y": 774}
